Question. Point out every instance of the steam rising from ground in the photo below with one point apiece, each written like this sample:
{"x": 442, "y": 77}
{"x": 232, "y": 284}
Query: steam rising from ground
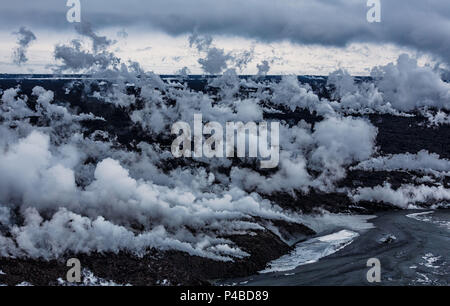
{"x": 64, "y": 190}
{"x": 423, "y": 161}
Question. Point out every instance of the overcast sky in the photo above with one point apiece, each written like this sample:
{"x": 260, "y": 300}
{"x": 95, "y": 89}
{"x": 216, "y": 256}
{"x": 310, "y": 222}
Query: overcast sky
{"x": 298, "y": 36}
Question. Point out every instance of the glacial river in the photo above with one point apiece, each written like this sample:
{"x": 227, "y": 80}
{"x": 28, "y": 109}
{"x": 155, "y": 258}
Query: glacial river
{"x": 413, "y": 248}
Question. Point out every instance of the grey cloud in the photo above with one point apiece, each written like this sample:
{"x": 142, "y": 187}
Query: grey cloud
{"x": 75, "y": 58}
{"x": 263, "y": 68}
{"x": 24, "y": 39}
{"x": 202, "y": 43}
{"x": 99, "y": 42}
{"x": 422, "y": 25}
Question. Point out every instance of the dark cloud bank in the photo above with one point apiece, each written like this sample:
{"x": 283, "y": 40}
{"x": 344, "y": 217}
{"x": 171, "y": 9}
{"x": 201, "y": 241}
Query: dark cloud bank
{"x": 422, "y": 25}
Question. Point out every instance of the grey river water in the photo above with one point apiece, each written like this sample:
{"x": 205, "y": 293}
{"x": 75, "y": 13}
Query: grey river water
{"x": 413, "y": 248}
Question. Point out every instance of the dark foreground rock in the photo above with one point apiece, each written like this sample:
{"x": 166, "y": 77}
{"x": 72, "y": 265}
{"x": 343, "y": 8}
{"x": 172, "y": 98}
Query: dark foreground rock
{"x": 157, "y": 267}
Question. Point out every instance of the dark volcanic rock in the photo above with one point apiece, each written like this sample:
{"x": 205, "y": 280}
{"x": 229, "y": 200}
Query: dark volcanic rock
{"x": 333, "y": 202}
{"x": 359, "y": 178}
{"x": 410, "y": 134}
{"x": 176, "y": 267}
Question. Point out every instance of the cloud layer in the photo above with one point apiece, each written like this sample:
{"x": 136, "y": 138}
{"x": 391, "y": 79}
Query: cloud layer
{"x": 412, "y": 23}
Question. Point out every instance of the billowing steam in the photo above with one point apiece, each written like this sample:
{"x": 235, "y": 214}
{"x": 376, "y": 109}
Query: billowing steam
{"x": 66, "y": 188}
